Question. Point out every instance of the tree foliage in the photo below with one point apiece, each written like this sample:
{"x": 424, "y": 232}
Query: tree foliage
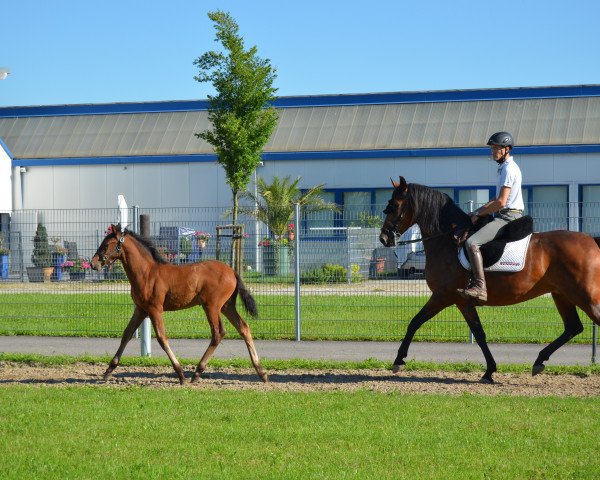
{"x": 241, "y": 114}
{"x": 41, "y": 256}
{"x": 275, "y": 202}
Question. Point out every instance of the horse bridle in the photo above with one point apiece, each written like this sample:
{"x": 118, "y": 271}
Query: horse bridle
{"x": 394, "y": 229}
{"x": 104, "y": 256}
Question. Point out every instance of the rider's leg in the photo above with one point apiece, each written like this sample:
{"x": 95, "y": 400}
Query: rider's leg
{"x": 477, "y": 290}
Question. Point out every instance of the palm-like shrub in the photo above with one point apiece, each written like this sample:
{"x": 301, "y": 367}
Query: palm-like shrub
{"x": 274, "y": 202}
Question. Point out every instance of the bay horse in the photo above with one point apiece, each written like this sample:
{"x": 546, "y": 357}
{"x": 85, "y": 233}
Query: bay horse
{"x": 158, "y": 286}
{"x": 563, "y": 263}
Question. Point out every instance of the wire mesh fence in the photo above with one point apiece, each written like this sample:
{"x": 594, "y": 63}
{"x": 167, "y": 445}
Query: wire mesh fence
{"x": 349, "y": 286}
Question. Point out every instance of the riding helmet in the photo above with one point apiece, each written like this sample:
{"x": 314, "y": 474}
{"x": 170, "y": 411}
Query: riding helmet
{"x": 503, "y": 139}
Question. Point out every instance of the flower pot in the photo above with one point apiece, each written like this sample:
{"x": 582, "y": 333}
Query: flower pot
{"x": 3, "y": 266}
{"x": 76, "y": 276}
{"x": 58, "y": 270}
{"x": 47, "y": 272}
{"x": 291, "y": 236}
{"x": 201, "y": 243}
{"x": 276, "y": 260}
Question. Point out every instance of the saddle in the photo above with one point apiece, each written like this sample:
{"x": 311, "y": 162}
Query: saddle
{"x": 513, "y": 236}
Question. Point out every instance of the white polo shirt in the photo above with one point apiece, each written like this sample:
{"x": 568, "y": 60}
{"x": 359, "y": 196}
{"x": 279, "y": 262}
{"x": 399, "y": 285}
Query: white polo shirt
{"x": 509, "y": 175}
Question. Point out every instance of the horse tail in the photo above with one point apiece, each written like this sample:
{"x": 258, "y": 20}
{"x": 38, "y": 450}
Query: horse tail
{"x": 246, "y": 296}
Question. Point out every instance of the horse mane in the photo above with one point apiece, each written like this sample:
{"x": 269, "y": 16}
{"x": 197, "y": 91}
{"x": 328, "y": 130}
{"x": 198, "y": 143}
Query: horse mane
{"x": 148, "y": 245}
{"x": 434, "y": 211}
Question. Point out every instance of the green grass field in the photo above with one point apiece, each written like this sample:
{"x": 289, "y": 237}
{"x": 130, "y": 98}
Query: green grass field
{"x": 98, "y": 432}
{"x": 372, "y": 317}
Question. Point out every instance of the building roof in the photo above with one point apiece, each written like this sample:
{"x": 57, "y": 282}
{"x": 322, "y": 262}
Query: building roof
{"x": 386, "y": 122}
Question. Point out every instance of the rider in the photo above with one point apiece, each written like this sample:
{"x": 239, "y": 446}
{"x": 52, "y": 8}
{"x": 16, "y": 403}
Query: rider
{"x": 506, "y": 206}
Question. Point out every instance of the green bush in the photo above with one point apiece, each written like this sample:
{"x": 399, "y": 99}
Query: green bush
{"x": 331, "y": 273}
{"x": 41, "y": 256}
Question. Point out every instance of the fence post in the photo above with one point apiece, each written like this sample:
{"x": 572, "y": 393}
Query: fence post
{"x": 470, "y": 208}
{"x": 594, "y": 342}
{"x": 297, "y": 271}
{"x": 146, "y": 336}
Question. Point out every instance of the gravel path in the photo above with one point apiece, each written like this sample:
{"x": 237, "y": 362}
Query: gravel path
{"x": 452, "y": 383}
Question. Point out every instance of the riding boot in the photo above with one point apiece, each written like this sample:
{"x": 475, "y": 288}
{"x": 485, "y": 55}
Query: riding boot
{"x": 477, "y": 291}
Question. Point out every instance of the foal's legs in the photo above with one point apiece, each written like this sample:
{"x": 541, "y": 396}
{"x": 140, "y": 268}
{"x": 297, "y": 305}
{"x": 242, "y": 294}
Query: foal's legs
{"x": 472, "y": 317}
{"x": 243, "y": 328}
{"x": 136, "y": 319}
{"x": 573, "y": 327}
{"x": 434, "y": 305}
{"x": 217, "y": 333}
{"x": 161, "y": 335}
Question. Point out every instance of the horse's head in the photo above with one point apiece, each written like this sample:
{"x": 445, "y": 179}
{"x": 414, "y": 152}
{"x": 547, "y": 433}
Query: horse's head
{"x": 398, "y": 214}
{"x": 110, "y": 249}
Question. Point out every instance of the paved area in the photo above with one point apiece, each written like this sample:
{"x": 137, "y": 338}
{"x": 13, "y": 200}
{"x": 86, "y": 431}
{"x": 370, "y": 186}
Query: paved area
{"x": 316, "y": 350}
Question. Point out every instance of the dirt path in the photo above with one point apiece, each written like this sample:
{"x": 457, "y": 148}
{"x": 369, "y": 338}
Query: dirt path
{"x": 453, "y": 383}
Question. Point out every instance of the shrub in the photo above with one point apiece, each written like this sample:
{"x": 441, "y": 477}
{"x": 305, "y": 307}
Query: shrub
{"x": 331, "y": 273}
{"x": 41, "y": 256}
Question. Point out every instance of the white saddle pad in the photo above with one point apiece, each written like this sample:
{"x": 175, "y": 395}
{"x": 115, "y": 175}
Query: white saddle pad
{"x": 512, "y": 260}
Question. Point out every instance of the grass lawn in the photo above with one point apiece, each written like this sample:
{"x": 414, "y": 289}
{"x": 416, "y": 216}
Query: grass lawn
{"x": 99, "y": 432}
{"x": 372, "y": 317}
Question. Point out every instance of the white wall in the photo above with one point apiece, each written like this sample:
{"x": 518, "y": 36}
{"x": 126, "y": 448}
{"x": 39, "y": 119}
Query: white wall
{"x": 6, "y": 192}
{"x": 203, "y": 184}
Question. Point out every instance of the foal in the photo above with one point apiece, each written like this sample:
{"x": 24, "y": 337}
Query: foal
{"x": 158, "y": 286}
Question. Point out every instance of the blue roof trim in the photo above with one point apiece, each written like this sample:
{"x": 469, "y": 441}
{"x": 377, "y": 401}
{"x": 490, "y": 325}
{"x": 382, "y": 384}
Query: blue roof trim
{"x": 313, "y": 101}
{"x": 322, "y": 155}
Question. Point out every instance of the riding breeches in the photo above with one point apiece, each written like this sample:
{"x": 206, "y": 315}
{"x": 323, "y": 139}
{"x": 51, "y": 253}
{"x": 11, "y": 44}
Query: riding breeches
{"x": 486, "y": 233}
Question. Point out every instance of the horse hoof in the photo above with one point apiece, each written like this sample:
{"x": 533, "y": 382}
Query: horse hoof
{"x": 537, "y": 369}
{"x": 397, "y": 368}
{"x": 488, "y": 380}
{"x": 264, "y": 377}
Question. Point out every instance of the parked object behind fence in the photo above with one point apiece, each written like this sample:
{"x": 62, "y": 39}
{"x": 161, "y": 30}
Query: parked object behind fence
{"x": 158, "y": 286}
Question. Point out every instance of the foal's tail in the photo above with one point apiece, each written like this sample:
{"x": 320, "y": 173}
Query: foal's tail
{"x": 246, "y": 296}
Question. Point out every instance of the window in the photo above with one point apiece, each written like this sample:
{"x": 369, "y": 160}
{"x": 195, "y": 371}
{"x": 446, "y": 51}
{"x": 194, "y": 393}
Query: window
{"x": 319, "y": 220}
{"x": 590, "y": 209}
{"x": 356, "y": 205}
{"x": 548, "y": 206}
{"x": 470, "y": 199}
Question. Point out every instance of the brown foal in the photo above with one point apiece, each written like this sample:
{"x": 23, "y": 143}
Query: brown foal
{"x": 158, "y": 286}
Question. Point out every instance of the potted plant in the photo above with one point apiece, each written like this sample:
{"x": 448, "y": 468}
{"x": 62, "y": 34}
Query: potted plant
{"x": 202, "y": 238}
{"x": 185, "y": 249}
{"x": 40, "y": 257}
{"x": 58, "y": 253}
{"x": 3, "y": 258}
{"x": 274, "y": 204}
{"x": 77, "y": 268}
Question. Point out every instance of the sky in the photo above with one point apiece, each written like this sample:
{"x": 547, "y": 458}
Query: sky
{"x": 78, "y": 52}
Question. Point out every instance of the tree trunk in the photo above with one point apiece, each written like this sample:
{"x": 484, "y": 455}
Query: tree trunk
{"x": 233, "y": 258}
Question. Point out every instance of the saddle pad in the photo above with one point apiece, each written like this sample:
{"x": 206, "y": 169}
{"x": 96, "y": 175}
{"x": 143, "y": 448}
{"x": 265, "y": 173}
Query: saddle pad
{"x": 512, "y": 260}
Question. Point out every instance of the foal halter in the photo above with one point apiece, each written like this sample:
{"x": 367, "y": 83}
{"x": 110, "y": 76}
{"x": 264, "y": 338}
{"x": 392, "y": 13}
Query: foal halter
{"x": 104, "y": 256}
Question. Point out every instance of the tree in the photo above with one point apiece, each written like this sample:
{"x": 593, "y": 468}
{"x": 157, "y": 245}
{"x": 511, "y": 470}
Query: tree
{"x": 240, "y": 113}
{"x": 41, "y": 256}
{"x": 275, "y": 202}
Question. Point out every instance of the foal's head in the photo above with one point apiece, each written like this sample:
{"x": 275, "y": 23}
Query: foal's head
{"x": 110, "y": 249}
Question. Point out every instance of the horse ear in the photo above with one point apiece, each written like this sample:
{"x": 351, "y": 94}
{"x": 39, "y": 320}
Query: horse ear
{"x": 116, "y": 228}
{"x": 403, "y": 185}
{"x": 394, "y": 183}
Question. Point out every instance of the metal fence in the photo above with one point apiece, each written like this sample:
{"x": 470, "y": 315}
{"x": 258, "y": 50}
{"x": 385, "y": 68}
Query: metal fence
{"x": 332, "y": 281}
